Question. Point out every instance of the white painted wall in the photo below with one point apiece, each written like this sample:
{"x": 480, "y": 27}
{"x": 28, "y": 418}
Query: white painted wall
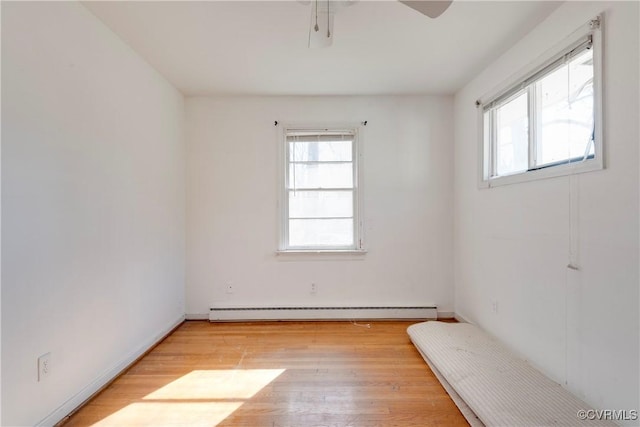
{"x": 92, "y": 206}
{"x": 232, "y": 190}
{"x": 512, "y": 242}
{"x": 0, "y": 237}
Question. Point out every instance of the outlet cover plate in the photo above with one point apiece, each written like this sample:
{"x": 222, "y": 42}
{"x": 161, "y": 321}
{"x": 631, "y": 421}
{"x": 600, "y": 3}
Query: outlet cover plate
{"x": 44, "y": 366}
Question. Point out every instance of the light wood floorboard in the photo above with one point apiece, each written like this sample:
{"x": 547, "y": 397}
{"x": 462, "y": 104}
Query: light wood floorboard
{"x": 277, "y": 374}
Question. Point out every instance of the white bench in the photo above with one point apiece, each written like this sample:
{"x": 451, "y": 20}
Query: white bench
{"x": 490, "y": 385}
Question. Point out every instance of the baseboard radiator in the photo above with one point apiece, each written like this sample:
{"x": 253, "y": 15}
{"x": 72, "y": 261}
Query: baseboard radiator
{"x": 239, "y": 314}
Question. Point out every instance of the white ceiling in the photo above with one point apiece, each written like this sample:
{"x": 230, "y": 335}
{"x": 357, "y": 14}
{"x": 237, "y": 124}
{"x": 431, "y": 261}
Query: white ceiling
{"x": 380, "y": 47}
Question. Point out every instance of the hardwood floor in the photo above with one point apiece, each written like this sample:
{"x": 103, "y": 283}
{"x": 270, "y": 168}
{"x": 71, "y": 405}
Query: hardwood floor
{"x": 277, "y": 374}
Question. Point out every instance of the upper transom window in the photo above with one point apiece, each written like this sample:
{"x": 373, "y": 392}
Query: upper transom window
{"x": 547, "y": 124}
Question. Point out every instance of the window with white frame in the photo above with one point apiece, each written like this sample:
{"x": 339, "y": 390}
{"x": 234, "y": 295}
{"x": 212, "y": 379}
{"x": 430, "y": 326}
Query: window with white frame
{"x": 321, "y": 191}
{"x": 549, "y": 123}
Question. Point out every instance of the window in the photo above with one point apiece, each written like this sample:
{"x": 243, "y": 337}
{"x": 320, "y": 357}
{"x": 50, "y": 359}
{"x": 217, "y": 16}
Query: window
{"x": 320, "y": 206}
{"x": 547, "y": 124}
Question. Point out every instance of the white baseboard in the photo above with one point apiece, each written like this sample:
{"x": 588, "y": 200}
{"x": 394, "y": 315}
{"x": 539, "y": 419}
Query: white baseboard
{"x": 197, "y": 316}
{"x": 460, "y": 318}
{"x": 446, "y": 315}
{"x": 70, "y": 405}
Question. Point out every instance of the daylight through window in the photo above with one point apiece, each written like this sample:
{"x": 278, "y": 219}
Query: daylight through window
{"x": 321, "y": 190}
{"x": 548, "y": 120}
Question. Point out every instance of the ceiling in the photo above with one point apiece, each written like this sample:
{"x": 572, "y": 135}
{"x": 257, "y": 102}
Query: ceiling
{"x": 260, "y": 47}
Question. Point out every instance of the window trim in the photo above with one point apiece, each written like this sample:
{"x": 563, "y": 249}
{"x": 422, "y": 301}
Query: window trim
{"x": 283, "y": 206}
{"x": 519, "y": 84}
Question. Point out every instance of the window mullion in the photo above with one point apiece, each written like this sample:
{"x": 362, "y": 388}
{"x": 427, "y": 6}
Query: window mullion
{"x": 532, "y": 116}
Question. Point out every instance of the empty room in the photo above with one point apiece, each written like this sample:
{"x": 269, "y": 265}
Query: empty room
{"x": 320, "y": 213}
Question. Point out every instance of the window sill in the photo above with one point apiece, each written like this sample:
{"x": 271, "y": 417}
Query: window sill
{"x": 328, "y": 254}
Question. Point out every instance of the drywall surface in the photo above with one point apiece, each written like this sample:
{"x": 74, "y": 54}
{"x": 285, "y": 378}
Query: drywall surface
{"x": 513, "y": 243}
{"x": 92, "y": 205}
{"x": 232, "y": 204}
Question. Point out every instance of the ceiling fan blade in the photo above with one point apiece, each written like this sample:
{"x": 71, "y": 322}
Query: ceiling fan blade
{"x": 432, "y": 9}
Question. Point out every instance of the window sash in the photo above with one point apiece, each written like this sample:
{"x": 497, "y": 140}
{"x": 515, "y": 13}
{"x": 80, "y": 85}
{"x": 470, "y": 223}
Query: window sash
{"x": 322, "y": 135}
{"x": 488, "y": 117}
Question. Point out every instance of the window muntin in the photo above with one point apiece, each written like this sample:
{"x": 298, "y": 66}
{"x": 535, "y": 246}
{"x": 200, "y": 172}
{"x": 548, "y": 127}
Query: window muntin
{"x": 320, "y": 207}
{"x": 547, "y": 120}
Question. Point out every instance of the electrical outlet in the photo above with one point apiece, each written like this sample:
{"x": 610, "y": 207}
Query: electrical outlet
{"x": 314, "y": 288}
{"x": 44, "y": 366}
{"x": 229, "y": 288}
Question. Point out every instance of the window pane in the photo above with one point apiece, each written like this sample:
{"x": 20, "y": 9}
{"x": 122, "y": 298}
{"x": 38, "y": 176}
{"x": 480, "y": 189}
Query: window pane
{"x": 512, "y": 136}
{"x": 325, "y": 151}
{"x": 320, "y": 232}
{"x": 566, "y": 111}
{"x": 321, "y": 175}
{"x": 320, "y": 204}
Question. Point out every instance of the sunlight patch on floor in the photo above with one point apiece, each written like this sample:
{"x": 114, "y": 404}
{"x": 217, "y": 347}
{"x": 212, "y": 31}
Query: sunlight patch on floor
{"x": 217, "y": 384}
{"x": 193, "y": 414}
{"x": 199, "y": 398}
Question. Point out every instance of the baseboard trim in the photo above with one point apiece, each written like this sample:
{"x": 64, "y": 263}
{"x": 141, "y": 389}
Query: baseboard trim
{"x": 461, "y": 318}
{"x": 71, "y": 406}
{"x": 197, "y": 316}
{"x": 446, "y": 315}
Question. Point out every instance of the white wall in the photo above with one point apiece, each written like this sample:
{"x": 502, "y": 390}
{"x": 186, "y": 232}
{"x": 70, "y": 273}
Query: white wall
{"x": 232, "y": 225}
{"x": 0, "y": 234}
{"x": 92, "y": 206}
{"x": 512, "y": 243}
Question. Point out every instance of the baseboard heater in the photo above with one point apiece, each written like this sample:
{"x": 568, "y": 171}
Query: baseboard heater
{"x": 238, "y": 314}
